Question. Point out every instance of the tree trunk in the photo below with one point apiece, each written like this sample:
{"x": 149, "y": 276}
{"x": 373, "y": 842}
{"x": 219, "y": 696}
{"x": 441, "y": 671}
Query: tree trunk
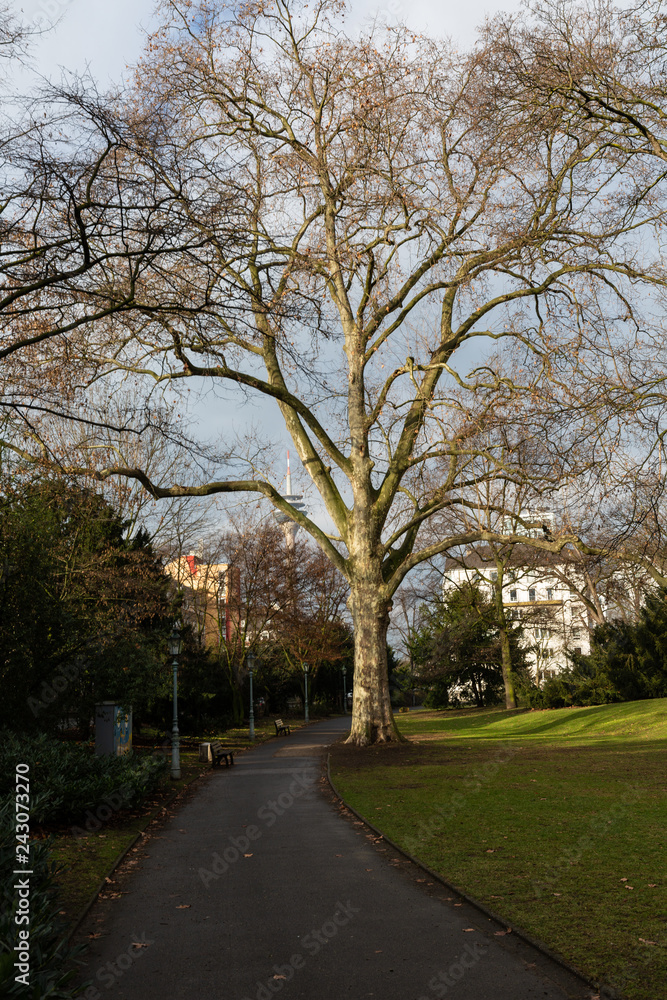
{"x": 505, "y": 650}
{"x": 238, "y": 711}
{"x": 477, "y": 691}
{"x": 508, "y": 680}
{"x": 372, "y": 717}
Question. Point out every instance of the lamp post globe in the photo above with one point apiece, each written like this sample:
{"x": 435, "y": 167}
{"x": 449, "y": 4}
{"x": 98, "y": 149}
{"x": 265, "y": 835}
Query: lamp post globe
{"x": 174, "y": 644}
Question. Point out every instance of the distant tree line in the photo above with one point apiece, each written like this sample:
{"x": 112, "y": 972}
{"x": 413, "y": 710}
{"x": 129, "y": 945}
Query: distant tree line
{"x": 456, "y": 652}
{"x": 456, "y": 648}
{"x": 85, "y": 612}
{"x": 627, "y": 662}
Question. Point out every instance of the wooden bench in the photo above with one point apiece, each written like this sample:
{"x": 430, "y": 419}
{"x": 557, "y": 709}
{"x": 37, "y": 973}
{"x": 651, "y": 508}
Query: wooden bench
{"x": 281, "y": 728}
{"x": 220, "y": 753}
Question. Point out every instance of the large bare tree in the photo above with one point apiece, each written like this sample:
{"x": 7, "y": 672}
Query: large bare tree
{"x": 352, "y": 223}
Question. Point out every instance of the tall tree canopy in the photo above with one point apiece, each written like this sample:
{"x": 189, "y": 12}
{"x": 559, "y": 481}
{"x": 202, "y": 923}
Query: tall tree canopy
{"x": 334, "y": 223}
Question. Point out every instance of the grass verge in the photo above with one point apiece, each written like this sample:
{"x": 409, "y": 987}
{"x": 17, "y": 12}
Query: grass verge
{"x": 90, "y": 858}
{"x": 554, "y": 819}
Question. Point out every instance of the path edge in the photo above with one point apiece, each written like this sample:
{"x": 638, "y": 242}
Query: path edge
{"x": 606, "y": 992}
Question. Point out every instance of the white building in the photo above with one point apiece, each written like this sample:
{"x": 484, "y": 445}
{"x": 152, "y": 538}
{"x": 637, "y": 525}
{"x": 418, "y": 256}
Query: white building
{"x": 555, "y": 619}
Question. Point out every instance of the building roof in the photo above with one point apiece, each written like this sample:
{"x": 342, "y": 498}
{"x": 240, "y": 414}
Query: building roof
{"x": 524, "y": 556}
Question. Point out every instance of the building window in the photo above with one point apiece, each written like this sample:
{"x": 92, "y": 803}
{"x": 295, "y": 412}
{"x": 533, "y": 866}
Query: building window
{"x": 531, "y": 594}
{"x": 512, "y": 595}
{"x": 550, "y": 594}
{"x": 494, "y": 575}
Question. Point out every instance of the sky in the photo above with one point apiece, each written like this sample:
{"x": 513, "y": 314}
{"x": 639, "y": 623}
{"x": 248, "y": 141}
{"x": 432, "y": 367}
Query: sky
{"x": 105, "y": 38}
{"x": 108, "y": 36}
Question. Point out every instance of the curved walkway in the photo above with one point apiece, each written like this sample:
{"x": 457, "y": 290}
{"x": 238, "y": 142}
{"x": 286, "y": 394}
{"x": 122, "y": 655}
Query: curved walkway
{"x": 258, "y": 886}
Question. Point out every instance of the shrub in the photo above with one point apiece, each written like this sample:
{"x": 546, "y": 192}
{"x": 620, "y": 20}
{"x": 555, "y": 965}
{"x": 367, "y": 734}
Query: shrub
{"x": 627, "y": 662}
{"x": 51, "y": 958}
{"x": 438, "y": 695}
{"x": 70, "y": 778}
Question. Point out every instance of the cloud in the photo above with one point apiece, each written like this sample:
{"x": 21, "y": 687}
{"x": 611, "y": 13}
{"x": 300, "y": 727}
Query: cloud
{"x": 458, "y": 21}
{"x": 106, "y": 37}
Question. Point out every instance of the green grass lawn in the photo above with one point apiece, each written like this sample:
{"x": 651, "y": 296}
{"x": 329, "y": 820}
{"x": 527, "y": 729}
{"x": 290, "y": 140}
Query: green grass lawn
{"x": 553, "y": 819}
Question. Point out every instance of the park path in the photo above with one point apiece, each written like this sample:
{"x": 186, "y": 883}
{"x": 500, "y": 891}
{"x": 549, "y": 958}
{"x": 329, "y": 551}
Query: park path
{"x": 259, "y": 886}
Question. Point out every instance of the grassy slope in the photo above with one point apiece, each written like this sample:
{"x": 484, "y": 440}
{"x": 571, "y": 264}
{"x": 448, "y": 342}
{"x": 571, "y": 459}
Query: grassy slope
{"x": 547, "y": 817}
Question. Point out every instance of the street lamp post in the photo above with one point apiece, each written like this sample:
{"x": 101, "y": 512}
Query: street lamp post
{"x": 174, "y": 652}
{"x": 344, "y": 692}
{"x": 250, "y": 659}
{"x": 305, "y": 685}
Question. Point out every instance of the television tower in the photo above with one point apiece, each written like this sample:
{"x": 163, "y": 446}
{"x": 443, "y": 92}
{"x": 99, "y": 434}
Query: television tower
{"x": 289, "y": 526}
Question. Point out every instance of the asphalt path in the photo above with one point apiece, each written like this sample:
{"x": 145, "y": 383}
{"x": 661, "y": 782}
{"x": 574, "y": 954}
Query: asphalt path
{"x": 260, "y": 885}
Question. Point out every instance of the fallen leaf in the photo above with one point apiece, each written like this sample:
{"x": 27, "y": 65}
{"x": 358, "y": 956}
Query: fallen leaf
{"x": 644, "y": 941}
{"x": 652, "y": 885}
{"x": 624, "y": 880}
{"x": 139, "y": 944}
{"x": 557, "y": 894}
{"x": 184, "y": 906}
{"x": 628, "y": 886}
{"x": 499, "y": 933}
{"x": 96, "y": 935}
{"x": 490, "y": 850}
{"x": 247, "y": 855}
{"x": 466, "y": 929}
{"x": 279, "y": 977}
{"x": 369, "y": 869}
{"x": 458, "y": 904}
